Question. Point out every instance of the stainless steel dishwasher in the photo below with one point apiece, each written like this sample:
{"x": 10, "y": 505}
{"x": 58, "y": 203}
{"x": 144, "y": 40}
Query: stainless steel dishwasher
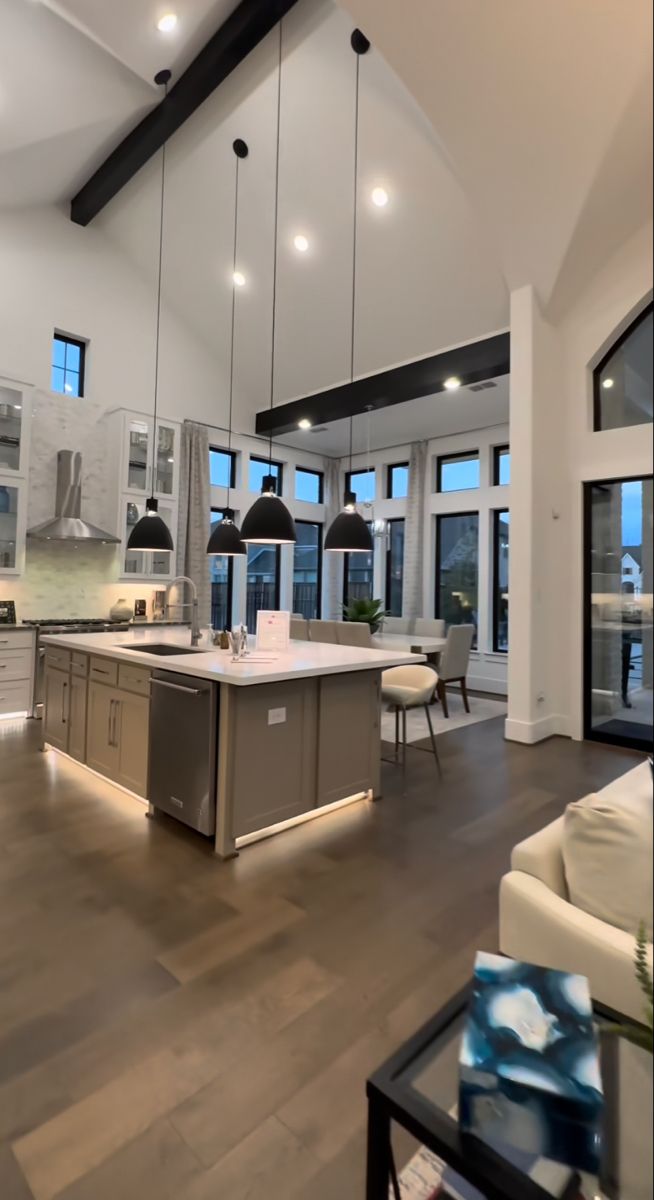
{"x": 183, "y": 741}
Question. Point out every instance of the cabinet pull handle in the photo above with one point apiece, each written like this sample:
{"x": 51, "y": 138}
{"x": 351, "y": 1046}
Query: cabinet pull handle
{"x": 63, "y": 703}
{"x": 100, "y": 671}
{"x": 111, "y": 709}
{"x": 115, "y": 731}
{"x": 4, "y": 641}
{"x": 3, "y": 666}
{"x": 177, "y": 687}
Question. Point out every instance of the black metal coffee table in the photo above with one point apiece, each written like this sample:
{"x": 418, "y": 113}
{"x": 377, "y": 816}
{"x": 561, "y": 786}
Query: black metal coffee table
{"x": 417, "y": 1088}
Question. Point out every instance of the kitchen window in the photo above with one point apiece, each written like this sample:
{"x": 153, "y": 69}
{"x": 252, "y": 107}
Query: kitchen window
{"x": 307, "y": 569}
{"x": 221, "y": 571}
{"x": 260, "y": 467}
{"x": 309, "y": 486}
{"x": 68, "y": 363}
{"x": 222, "y": 467}
{"x": 358, "y": 575}
{"x": 362, "y": 483}
{"x": 457, "y": 569}
{"x": 395, "y": 566}
{"x": 397, "y": 481}
{"x": 458, "y": 472}
{"x": 262, "y": 582}
{"x": 501, "y": 466}
{"x": 501, "y": 523}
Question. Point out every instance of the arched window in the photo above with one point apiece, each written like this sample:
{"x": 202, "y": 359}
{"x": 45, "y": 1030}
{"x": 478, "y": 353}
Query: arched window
{"x": 622, "y": 381}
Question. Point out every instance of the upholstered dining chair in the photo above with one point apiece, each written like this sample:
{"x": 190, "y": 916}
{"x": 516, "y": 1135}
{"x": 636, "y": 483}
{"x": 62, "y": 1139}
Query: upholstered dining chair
{"x": 408, "y": 687}
{"x": 354, "y": 633}
{"x": 453, "y": 663}
{"x": 299, "y": 629}
{"x": 324, "y": 631}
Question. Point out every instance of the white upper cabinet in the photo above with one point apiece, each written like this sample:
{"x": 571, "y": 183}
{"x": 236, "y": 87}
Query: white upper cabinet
{"x": 15, "y": 419}
{"x": 145, "y": 470}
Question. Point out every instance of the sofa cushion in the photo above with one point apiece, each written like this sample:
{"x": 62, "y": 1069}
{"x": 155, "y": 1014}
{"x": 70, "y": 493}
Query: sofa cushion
{"x": 607, "y": 851}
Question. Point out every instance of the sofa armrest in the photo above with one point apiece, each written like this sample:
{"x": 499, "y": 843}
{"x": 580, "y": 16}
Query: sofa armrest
{"x": 540, "y": 927}
{"x": 541, "y": 856}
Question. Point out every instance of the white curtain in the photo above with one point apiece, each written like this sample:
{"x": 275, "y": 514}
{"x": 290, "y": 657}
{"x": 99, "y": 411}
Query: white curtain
{"x": 194, "y": 518}
{"x": 414, "y": 527}
{"x": 332, "y": 563}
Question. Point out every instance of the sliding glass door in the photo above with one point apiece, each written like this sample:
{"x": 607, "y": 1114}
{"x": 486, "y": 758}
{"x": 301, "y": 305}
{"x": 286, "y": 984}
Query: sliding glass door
{"x": 262, "y": 590}
{"x": 307, "y": 568}
{"x": 618, "y": 612}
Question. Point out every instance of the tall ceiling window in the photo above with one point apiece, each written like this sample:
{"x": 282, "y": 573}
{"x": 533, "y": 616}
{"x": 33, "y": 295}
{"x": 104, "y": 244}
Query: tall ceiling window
{"x": 222, "y": 467}
{"x": 501, "y": 466}
{"x": 309, "y": 486}
{"x": 221, "y": 569}
{"x": 395, "y": 566}
{"x": 458, "y": 472}
{"x": 307, "y": 569}
{"x": 501, "y": 521}
{"x": 260, "y": 467}
{"x": 457, "y": 569}
{"x": 397, "y": 481}
{"x": 362, "y": 483}
{"x": 68, "y": 363}
{"x": 622, "y": 381}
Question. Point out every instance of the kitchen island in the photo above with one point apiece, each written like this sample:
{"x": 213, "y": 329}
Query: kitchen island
{"x": 297, "y": 733}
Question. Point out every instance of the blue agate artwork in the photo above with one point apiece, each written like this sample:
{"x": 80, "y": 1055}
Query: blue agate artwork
{"x": 529, "y": 1063}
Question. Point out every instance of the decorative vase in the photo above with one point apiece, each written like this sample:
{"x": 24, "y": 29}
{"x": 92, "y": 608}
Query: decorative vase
{"x": 121, "y": 610}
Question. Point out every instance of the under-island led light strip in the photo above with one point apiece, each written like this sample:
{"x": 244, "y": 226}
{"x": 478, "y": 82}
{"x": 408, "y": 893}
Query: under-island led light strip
{"x": 259, "y": 834}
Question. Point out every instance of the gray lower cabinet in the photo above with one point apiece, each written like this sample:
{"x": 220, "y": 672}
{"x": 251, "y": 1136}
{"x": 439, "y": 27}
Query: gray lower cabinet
{"x": 56, "y": 700}
{"x": 77, "y": 718}
{"x": 117, "y": 735}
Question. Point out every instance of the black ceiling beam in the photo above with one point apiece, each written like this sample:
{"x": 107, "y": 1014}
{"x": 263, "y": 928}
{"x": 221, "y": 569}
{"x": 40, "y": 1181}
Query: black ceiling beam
{"x": 473, "y": 363}
{"x": 236, "y": 38}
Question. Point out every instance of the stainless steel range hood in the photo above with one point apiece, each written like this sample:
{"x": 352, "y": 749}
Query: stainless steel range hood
{"x": 67, "y": 524}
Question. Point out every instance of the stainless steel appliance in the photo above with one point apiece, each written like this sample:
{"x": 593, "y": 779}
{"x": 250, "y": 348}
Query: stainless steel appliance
{"x": 183, "y": 746}
{"x": 63, "y": 625}
{"x": 67, "y": 524}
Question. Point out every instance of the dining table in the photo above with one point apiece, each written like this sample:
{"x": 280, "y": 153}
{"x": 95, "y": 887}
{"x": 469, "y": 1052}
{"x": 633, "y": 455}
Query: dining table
{"x": 413, "y": 643}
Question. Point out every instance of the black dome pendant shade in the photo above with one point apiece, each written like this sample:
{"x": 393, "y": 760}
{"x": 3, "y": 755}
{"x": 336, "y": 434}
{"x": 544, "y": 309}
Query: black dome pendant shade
{"x": 268, "y": 522}
{"x": 349, "y": 532}
{"x": 151, "y": 532}
{"x": 225, "y": 537}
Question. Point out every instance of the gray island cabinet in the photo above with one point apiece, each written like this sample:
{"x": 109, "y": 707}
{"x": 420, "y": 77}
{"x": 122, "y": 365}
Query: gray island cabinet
{"x": 298, "y": 732}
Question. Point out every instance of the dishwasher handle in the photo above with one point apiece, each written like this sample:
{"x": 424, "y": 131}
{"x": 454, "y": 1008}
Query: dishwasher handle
{"x": 177, "y": 687}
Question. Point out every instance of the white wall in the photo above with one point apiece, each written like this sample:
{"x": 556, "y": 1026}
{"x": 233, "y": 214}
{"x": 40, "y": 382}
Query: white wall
{"x": 488, "y": 670}
{"x": 555, "y": 451}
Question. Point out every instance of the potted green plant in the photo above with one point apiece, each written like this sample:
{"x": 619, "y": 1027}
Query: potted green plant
{"x": 371, "y": 612}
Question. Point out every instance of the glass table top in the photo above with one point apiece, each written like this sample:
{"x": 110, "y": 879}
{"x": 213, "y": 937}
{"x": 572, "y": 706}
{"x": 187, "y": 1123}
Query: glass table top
{"x": 433, "y": 1075}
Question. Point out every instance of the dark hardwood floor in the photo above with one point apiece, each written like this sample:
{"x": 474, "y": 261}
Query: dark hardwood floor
{"x": 174, "y": 1028}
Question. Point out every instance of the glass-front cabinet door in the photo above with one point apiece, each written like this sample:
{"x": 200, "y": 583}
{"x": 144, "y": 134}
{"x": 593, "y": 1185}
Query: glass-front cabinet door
{"x": 13, "y": 428}
{"x": 142, "y": 461}
{"x": 146, "y": 564}
{"x": 11, "y": 526}
{"x": 618, "y": 618}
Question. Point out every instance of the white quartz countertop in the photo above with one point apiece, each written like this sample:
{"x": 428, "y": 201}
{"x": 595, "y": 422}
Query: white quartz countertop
{"x": 303, "y": 659}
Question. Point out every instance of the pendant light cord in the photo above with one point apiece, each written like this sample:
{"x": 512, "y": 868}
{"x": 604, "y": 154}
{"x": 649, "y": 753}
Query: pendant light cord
{"x": 276, "y": 214}
{"x": 355, "y": 214}
{"x": 232, "y": 334}
{"x": 157, "y": 337}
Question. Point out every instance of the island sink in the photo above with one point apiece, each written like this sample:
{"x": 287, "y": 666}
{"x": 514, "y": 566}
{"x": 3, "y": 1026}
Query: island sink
{"x": 162, "y": 648}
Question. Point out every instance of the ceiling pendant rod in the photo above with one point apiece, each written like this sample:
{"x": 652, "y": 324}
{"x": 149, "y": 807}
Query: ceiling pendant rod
{"x": 268, "y": 521}
{"x": 151, "y": 532}
{"x": 225, "y": 537}
{"x": 349, "y": 533}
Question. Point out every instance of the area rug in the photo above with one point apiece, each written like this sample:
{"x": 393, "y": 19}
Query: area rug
{"x": 482, "y": 709}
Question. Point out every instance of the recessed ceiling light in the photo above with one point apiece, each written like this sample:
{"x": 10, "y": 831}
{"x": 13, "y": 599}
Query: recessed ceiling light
{"x": 238, "y": 278}
{"x": 607, "y": 383}
{"x": 301, "y": 243}
{"x": 379, "y": 197}
{"x": 452, "y": 383}
{"x": 167, "y": 23}
{"x": 305, "y": 423}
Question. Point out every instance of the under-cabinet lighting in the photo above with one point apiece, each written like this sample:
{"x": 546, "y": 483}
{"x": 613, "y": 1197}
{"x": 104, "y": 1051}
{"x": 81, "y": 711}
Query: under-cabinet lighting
{"x": 247, "y": 838}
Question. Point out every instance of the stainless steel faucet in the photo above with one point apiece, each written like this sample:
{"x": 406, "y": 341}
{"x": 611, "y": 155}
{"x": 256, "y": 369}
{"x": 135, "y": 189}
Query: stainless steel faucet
{"x": 193, "y": 605}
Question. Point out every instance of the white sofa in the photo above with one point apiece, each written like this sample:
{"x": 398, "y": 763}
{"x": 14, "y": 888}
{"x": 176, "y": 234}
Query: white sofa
{"x": 539, "y": 924}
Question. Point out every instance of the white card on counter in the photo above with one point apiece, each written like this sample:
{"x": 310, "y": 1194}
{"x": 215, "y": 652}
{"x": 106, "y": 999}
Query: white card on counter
{"x": 273, "y": 630}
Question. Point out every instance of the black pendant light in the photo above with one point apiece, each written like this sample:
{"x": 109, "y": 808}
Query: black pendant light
{"x": 225, "y": 536}
{"x": 151, "y": 532}
{"x": 269, "y": 522}
{"x": 349, "y": 533}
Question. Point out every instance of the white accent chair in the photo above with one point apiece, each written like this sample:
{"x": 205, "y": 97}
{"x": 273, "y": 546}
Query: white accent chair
{"x": 355, "y": 633}
{"x": 324, "y": 631}
{"x": 453, "y": 663}
{"x": 408, "y": 687}
{"x": 539, "y": 924}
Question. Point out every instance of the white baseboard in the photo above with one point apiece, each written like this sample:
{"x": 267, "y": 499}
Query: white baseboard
{"x": 529, "y": 732}
{"x": 482, "y": 683}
